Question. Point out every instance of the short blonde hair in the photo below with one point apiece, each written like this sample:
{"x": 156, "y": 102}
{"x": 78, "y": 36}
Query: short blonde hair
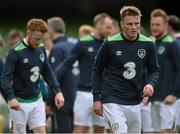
{"x": 100, "y": 17}
{"x": 159, "y": 13}
{"x": 129, "y": 11}
{"x": 14, "y": 33}
{"x": 86, "y": 29}
{"x": 37, "y": 25}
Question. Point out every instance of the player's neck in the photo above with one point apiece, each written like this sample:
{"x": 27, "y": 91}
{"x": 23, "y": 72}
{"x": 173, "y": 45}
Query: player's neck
{"x": 161, "y": 36}
{"x": 57, "y": 35}
{"x": 128, "y": 37}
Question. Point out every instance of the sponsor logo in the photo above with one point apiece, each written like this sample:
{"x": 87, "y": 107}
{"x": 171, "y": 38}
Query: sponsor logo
{"x": 118, "y": 53}
{"x": 25, "y": 60}
{"x": 90, "y": 49}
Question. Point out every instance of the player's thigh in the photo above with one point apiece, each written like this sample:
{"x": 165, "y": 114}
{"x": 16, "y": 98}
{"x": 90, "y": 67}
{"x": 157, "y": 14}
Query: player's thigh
{"x": 167, "y": 119}
{"x": 155, "y": 114}
{"x": 133, "y": 116}
{"x": 64, "y": 121}
{"x": 39, "y": 130}
{"x": 83, "y": 109}
{"x": 37, "y": 117}
{"x": 98, "y": 120}
{"x": 146, "y": 119}
{"x": 177, "y": 117}
{"x": 19, "y": 118}
{"x": 116, "y": 117}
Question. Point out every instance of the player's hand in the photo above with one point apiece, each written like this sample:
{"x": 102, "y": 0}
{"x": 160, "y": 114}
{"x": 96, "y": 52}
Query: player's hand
{"x": 148, "y": 90}
{"x": 14, "y": 104}
{"x": 97, "y": 107}
{"x": 59, "y": 100}
{"x": 170, "y": 99}
{"x": 145, "y": 100}
{"x": 48, "y": 110}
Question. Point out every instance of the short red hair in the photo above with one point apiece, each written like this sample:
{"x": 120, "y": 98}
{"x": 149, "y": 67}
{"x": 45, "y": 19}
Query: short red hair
{"x": 37, "y": 25}
{"x": 159, "y": 13}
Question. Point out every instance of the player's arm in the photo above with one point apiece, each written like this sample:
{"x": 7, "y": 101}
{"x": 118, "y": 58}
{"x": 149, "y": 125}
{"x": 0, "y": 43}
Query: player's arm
{"x": 1, "y": 69}
{"x": 49, "y": 77}
{"x": 153, "y": 71}
{"x": 53, "y": 84}
{"x": 66, "y": 65}
{"x": 1, "y": 65}
{"x": 7, "y": 77}
{"x": 98, "y": 68}
{"x": 175, "y": 56}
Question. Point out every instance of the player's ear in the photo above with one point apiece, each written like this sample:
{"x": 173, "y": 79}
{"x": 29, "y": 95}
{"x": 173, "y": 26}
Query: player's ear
{"x": 28, "y": 33}
{"x": 121, "y": 24}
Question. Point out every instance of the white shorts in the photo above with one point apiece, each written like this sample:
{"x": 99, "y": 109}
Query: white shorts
{"x": 146, "y": 120}
{"x": 162, "y": 117}
{"x": 177, "y": 117}
{"x": 123, "y": 118}
{"x": 32, "y": 113}
{"x": 83, "y": 111}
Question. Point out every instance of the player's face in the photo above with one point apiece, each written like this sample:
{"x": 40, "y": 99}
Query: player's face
{"x": 158, "y": 27}
{"x": 105, "y": 27}
{"x": 114, "y": 31}
{"x": 130, "y": 26}
{"x": 48, "y": 43}
{"x": 35, "y": 38}
{"x": 50, "y": 32}
{"x": 14, "y": 41}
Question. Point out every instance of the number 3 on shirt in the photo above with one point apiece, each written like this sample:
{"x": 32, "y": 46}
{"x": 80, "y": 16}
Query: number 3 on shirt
{"x": 35, "y": 74}
{"x": 130, "y": 71}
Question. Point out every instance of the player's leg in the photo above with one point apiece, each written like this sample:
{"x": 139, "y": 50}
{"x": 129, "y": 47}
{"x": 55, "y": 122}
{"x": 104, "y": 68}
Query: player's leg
{"x": 37, "y": 117}
{"x": 98, "y": 123}
{"x": 80, "y": 129}
{"x": 114, "y": 113}
{"x": 133, "y": 116}
{"x": 166, "y": 119}
{"x": 146, "y": 119}
{"x": 65, "y": 120}
{"x": 155, "y": 106}
{"x": 38, "y": 130}
{"x": 82, "y": 112}
{"x": 98, "y": 129}
{"x": 177, "y": 117}
{"x": 19, "y": 119}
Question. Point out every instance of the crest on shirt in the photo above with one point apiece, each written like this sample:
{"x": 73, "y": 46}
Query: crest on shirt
{"x": 161, "y": 50}
{"x": 141, "y": 53}
{"x": 53, "y": 59}
{"x": 25, "y": 60}
{"x": 42, "y": 57}
{"x": 115, "y": 127}
{"x": 19, "y": 127}
{"x": 90, "y": 49}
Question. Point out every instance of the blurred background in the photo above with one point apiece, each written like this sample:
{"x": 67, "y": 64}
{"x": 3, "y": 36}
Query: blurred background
{"x": 16, "y": 13}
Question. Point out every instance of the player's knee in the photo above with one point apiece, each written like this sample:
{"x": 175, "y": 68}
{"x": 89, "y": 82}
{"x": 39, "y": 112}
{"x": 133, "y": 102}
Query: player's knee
{"x": 80, "y": 129}
{"x": 41, "y": 130}
{"x": 98, "y": 129}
